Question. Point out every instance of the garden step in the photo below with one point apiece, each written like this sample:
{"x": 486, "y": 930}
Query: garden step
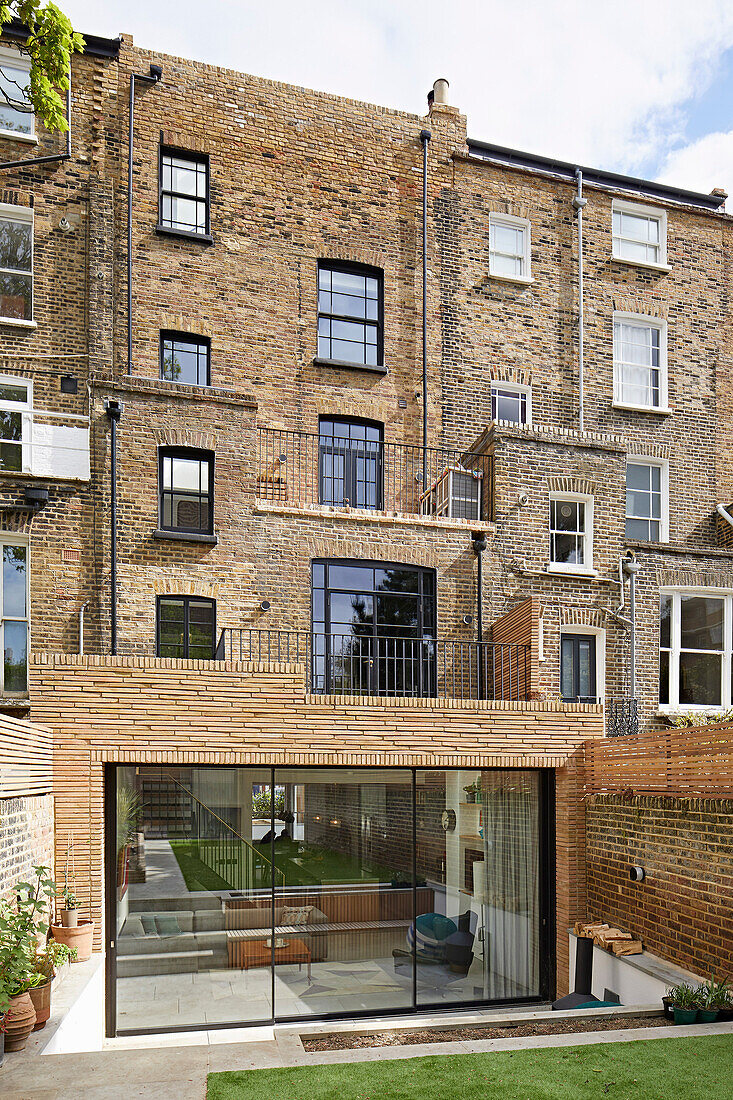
{"x": 174, "y": 962}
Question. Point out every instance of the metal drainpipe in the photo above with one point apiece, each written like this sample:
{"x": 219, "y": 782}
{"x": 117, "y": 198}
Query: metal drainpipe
{"x": 114, "y": 412}
{"x": 631, "y": 568}
{"x": 478, "y": 541}
{"x": 578, "y": 203}
{"x": 425, "y": 138}
{"x": 55, "y": 157}
{"x": 156, "y": 74}
{"x": 82, "y": 609}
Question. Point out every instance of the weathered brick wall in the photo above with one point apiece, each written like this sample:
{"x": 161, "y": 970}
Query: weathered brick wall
{"x": 683, "y": 910}
{"x": 26, "y": 838}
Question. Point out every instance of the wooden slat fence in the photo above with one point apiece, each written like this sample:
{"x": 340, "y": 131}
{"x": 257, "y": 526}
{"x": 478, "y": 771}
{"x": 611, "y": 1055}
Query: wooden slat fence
{"x": 694, "y": 761}
{"x": 26, "y": 752}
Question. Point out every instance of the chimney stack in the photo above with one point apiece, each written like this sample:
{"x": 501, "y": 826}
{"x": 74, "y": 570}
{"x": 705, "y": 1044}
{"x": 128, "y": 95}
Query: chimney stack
{"x": 439, "y": 95}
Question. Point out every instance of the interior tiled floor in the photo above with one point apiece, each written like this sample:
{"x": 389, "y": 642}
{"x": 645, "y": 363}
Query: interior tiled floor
{"x": 234, "y": 996}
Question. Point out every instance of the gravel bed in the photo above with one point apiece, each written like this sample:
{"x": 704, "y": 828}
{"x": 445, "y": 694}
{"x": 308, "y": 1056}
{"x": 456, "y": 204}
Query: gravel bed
{"x": 566, "y": 1026}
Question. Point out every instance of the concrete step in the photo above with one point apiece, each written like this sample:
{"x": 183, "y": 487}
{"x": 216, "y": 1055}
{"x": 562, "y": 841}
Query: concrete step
{"x": 174, "y": 962}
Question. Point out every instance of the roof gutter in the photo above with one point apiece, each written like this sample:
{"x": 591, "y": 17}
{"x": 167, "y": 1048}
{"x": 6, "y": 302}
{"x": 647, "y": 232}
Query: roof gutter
{"x": 592, "y": 177}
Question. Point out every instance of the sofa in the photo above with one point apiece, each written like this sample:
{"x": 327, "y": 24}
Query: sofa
{"x": 256, "y": 919}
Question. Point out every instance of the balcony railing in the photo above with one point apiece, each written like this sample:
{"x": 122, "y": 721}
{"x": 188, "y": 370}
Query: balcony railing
{"x": 348, "y": 664}
{"x": 307, "y": 469}
{"x": 622, "y": 717}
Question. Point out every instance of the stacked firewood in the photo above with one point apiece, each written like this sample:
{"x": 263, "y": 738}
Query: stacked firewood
{"x": 610, "y": 939}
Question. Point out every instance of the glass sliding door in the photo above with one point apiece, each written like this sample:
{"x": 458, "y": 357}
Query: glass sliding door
{"x": 240, "y": 895}
{"x": 343, "y": 893}
{"x": 189, "y": 853}
{"x": 478, "y": 847}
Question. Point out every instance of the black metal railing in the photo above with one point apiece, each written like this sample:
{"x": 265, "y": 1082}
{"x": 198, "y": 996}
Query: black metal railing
{"x": 352, "y": 664}
{"x": 622, "y": 717}
{"x": 307, "y": 469}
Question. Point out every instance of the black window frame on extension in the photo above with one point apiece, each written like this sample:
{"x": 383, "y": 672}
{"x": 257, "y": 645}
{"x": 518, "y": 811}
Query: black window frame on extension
{"x": 200, "y": 346}
{"x": 186, "y": 602}
{"x": 325, "y": 341}
{"x": 192, "y": 455}
{"x": 351, "y": 462}
{"x": 199, "y": 160}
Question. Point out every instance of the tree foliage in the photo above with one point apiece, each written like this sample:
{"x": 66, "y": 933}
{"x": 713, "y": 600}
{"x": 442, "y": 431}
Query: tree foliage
{"x": 49, "y": 45}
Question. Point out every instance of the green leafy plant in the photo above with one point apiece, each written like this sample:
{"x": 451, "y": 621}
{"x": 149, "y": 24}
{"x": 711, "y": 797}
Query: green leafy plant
{"x": 69, "y": 897}
{"x": 711, "y": 718}
{"x": 717, "y": 994}
{"x": 261, "y": 805}
{"x": 50, "y": 43}
{"x": 21, "y": 923}
{"x": 684, "y": 996}
{"x": 129, "y": 808}
{"x": 53, "y": 956}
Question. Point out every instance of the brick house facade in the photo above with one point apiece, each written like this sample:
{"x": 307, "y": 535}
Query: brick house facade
{"x": 297, "y": 183}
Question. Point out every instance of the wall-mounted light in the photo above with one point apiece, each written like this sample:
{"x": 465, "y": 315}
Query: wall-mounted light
{"x": 69, "y": 384}
{"x": 637, "y": 874}
{"x": 265, "y": 605}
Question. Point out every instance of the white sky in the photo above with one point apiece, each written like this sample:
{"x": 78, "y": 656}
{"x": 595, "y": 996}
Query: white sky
{"x": 607, "y": 83}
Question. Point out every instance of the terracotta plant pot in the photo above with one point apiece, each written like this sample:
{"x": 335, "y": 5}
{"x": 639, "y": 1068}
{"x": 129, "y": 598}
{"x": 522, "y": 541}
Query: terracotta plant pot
{"x": 69, "y": 917}
{"x": 79, "y": 937}
{"x": 41, "y": 997}
{"x": 20, "y": 1019}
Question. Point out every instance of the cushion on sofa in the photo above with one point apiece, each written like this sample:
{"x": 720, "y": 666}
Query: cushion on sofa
{"x": 133, "y": 926}
{"x": 148, "y": 922}
{"x": 300, "y": 914}
{"x": 167, "y": 925}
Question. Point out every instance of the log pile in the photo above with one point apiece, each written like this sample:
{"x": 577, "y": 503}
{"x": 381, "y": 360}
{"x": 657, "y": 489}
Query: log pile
{"x": 610, "y": 939}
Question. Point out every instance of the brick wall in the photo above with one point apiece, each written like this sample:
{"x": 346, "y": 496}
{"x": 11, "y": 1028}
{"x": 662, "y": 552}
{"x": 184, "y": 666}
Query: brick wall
{"x": 26, "y": 838}
{"x": 683, "y": 910}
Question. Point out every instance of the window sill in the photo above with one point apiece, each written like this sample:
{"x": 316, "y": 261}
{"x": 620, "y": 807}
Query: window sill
{"x": 17, "y": 322}
{"x": 342, "y": 364}
{"x": 523, "y": 280}
{"x": 572, "y": 571}
{"x": 183, "y": 234}
{"x": 658, "y": 411}
{"x": 686, "y": 709}
{"x": 11, "y": 135}
{"x": 661, "y": 268}
{"x": 186, "y": 536}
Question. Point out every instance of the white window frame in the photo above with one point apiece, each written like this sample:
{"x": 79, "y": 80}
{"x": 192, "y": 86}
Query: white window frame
{"x": 599, "y": 634}
{"x": 513, "y": 387}
{"x": 11, "y": 212}
{"x": 8, "y": 538}
{"x": 512, "y": 222}
{"x": 674, "y": 706}
{"x": 663, "y": 465}
{"x": 573, "y": 568}
{"x": 641, "y": 320}
{"x": 25, "y": 408}
{"x": 621, "y": 206}
{"x": 17, "y": 60}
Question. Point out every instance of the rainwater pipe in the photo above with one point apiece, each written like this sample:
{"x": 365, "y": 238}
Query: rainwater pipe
{"x": 578, "y": 203}
{"x": 155, "y": 75}
{"x": 82, "y": 609}
{"x": 425, "y": 139}
{"x": 113, "y": 410}
{"x": 723, "y": 511}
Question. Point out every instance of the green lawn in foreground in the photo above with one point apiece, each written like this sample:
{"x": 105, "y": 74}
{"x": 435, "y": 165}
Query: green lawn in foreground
{"x": 657, "y": 1069}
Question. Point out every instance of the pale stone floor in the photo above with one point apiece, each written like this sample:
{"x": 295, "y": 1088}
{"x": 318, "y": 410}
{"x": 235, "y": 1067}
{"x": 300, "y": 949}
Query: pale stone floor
{"x": 239, "y": 996}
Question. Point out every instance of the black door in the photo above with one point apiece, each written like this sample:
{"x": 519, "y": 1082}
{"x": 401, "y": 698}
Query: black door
{"x": 350, "y": 463}
{"x": 578, "y": 668}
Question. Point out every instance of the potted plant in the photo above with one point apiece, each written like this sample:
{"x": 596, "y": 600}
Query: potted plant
{"x": 718, "y": 1002}
{"x": 684, "y": 1000}
{"x": 20, "y": 927}
{"x": 46, "y": 964}
{"x": 472, "y": 790}
{"x": 68, "y": 911}
{"x": 71, "y": 931}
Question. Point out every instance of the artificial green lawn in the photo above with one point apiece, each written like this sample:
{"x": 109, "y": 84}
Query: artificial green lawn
{"x": 657, "y": 1069}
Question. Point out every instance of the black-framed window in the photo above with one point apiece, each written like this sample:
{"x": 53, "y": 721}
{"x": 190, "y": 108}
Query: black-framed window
{"x": 350, "y": 462}
{"x": 186, "y": 489}
{"x": 374, "y": 625}
{"x": 184, "y": 192}
{"x": 350, "y": 314}
{"x": 578, "y": 668}
{"x": 186, "y": 627}
{"x": 185, "y": 358}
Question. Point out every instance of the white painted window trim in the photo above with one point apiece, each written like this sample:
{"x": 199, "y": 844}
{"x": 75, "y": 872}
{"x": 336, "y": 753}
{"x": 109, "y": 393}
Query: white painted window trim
{"x": 571, "y": 568}
{"x": 11, "y": 212}
{"x": 641, "y": 320}
{"x": 18, "y": 61}
{"x": 514, "y": 387}
{"x": 11, "y": 538}
{"x": 642, "y": 211}
{"x": 25, "y": 408}
{"x": 514, "y": 223}
{"x": 663, "y": 464}
{"x": 599, "y": 634}
{"x": 674, "y": 706}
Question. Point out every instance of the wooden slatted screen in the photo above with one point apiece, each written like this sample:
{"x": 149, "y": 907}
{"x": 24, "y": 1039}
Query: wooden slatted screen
{"x": 26, "y": 756}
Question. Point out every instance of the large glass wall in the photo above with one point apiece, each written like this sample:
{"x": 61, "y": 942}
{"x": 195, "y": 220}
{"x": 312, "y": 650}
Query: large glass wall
{"x": 244, "y": 895}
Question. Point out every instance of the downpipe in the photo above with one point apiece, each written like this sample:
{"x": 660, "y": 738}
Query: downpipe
{"x": 155, "y": 76}
{"x": 113, "y": 410}
{"x": 425, "y": 136}
{"x": 578, "y": 203}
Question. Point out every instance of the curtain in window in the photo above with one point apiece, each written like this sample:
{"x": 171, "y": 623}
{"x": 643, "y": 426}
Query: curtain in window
{"x": 507, "y": 884}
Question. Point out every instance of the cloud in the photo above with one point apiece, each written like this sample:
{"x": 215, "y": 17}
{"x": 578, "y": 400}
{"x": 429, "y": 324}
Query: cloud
{"x": 602, "y": 83}
{"x": 702, "y": 165}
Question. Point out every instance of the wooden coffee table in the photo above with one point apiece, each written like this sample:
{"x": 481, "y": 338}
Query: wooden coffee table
{"x": 250, "y": 953}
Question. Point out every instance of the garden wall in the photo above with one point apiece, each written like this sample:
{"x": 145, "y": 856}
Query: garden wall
{"x": 683, "y": 909}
